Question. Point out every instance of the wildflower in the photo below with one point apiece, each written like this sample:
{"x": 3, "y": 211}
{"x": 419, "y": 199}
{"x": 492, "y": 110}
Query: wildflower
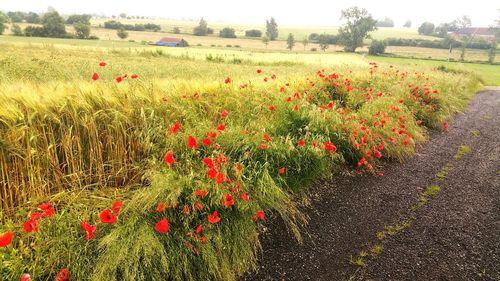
{"x": 89, "y": 230}
{"x": 214, "y": 218}
{"x": 25, "y": 277}
{"x": 266, "y": 137}
{"x": 169, "y": 158}
{"x": 6, "y": 239}
{"x": 162, "y": 226}
{"x": 30, "y": 226}
{"x": 330, "y": 147}
{"x": 95, "y": 76}
{"x": 119, "y": 79}
{"x": 160, "y": 207}
{"x": 134, "y": 76}
{"x": 296, "y": 107}
{"x": 175, "y": 128}
{"x": 48, "y": 210}
{"x": 259, "y": 71}
{"x": 259, "y": 215}
{"x": 199, "y": 229}
{"x": 262, "y": 146}
{"x": 228, "y": 80}
{"x": 228, "y": 200}
{"x": 107, "y": 217}
{"x": 224, "y": 114}
{"x": 212, "y": 173}
{"x": 244, "y": 197}
{"x": 221, "y": 127}
{"x": 378, "y": 154}
{"x": 220, "y": 178}
{"x": 445, "y": 125}
{"x": 301, "y": 143}
{"x": 211, "y": 134}
{"x": 117, "y": 205}
{"x": 102, "y": 64}
{"x": 63, "y": 275}
{"x": 281, "y": 170}
{"x": 198, "y": 206}
{"x": 192, "y": 143}
{"x": 206, "y": 142}
{"x": 272, "y": 108}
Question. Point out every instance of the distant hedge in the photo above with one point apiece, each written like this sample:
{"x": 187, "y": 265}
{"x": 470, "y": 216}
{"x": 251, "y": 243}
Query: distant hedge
{"x": 112, "y": 24}
{"x": 437, "y": 44}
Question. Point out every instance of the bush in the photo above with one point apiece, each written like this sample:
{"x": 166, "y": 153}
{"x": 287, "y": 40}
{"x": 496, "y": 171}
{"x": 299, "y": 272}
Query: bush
{"x": 426, "y": 28}
{"x": 376, "y": 48}
{"x": 176, "y": 30}
{"x": 227, "y": 32}
{"x": 253, "y": 33}
{"x": 16, "y": 30}
{"x": 34, "y": 31}
{"x": 314, "y": 49}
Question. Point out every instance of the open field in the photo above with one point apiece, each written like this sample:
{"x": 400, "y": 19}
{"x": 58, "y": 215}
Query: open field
{"x": 209, "y": 142}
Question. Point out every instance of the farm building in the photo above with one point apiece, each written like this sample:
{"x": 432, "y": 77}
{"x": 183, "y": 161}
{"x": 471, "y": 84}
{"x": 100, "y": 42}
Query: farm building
{"x": 172, "y": 42}
{"x": 484, "y": 32}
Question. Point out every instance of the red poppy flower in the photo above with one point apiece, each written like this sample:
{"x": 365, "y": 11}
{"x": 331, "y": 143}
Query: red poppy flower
{"x": 221, "y": 127}
{"x": 220, "y": 178}
{"x": 211, "y": 135}
{"x": 238, "y": 167}
{"x": 192, "y": 143}
{"x": 199, "y": 229}
{"x": 119, "y": 79}
{"x": 107, "y": 217}
{"x": 296, "y": 107}
{"x": 214, "y": 218}
{"x": 224, "y": 114}
{"x": 265, "y": 79}
{"x": 362, "y": 162}
{"x": 89, "y": 230}
{"x": 63, "y": 275}
{"x": 212, "y": 173}
{"x": 201, "y": 193}
{"x": 134, "y": 76}
{"x": 202, "y": 239}
{"x": 262, "y": 146}
{"x": 102, "y": 63}
{"x": 281, "y": 170}
{"x": 445, "y": 125}
{"x": 162, "y": 226}
{"x": 259, "y": 71}
{"x": 198, "y": 206}
{"x": 330, "y": 147}
{"x": 117, "y": 205}
{"x": 216, "y": 146}
{"x": 273, "y": 76}
{"x": 169, "y": 158}
{"x": 377, "y": 154}
{"x": 6, "y": 239}
{"x": 25, "y": 277}
{"x": 228, "y": 200}
{"x": 259, "y": 215}
{"x": 228, "y": 80}
{"x": 301, "y": 143}
{"x": 160, "y": 207}
{"x": 35, "y": 216}
{"x": 206, "y": 142}
{"x": 175, "y": 128}
{"x": 272, "y": 107}
{"x": 266, "y": 137}
{"x": 244, "y": 197}
{"x": 95, "y": 76}
{"x": 30, "y": 226}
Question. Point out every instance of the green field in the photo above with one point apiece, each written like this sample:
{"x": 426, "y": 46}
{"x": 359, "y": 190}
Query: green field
{"x": 254, "y": 129}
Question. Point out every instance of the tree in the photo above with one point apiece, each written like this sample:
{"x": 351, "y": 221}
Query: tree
{"x": 407, "y": 24}
{"x": 32, "y": 18}
{"x": 227, "y": 32}
{"x": 265, "y": 40}
{"x": 122, "y": 33}
{"x": 387, "y": 22}
{"x": 376, "y": 48}
{"x": 176, "y": 30}
{"x": 123, "y": 15}
{"x": 271, "y": 29}
{"x": 53, "y": 25}
{"x": 305, "y": 42}
{"x": 3, "y": 20}
{"x": 253, "y": 33}
{"x": 201, "y": 29}
{"x": 16, "y": 16}
{"x": 290, "y": 42}
{"x": 323, "y": 41}
{"x": 16, "y": 30}
{"x": 84, "y": 18}
{"x": 462, "y": 23}
{"x": 426, "y": 28}
{"x": 82, "y": 31}
{"x": 359, "y": 24}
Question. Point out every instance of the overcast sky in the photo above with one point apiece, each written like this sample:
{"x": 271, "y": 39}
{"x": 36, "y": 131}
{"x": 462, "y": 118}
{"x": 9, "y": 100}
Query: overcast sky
{"x": 318, "y": 12}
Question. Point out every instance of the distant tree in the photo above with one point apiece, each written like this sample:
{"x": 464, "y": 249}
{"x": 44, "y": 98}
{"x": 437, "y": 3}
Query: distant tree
{"x": 4, "y": 19}
{"x": 53, "y": 25}
{"x": 290, "y": 42}
{"x": 201, "y": 29}
{"x": 123, "y": 15}
{"x": 407, "y": 24}
{"x": 272, "y": 29}
{"x": 253, "y": 33}
{"x": 16, "y": 30}
{"x": 426, "y": 28}
{"x": 313, "y": 37}
{"x": 32, "y": 17}
{"x": 461, "y": 23}
{"x": 176, "y": 30}
{"x": 35, "y": 31}
{"x": 359, "y": 24}
{"x": 376, "y": 48}
{"x": 16, "y": 17}
{"x": 122, "y": 33}
{"x": 305, "y": 42}
{"x": 82, "y": 31}
{"x": 492, "y": 51}
{"x": 227, "y": 32}
{"x": 323, "y": 42}
{"x": 265, "y": 40}
{"x": 84, "y": 18}
{"x": 387, "y": 22}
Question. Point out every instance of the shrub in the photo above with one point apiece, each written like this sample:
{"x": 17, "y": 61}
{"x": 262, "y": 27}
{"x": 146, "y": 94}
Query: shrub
{"x": 253, "y": 33}
{"x": 16, "y": 30}
{"x": 314, "y": 49}
{"x": 227, "y": 32}
{"x": 426, "y": 28}
{"x": 376, "y": 48}
{"x": 176, "y": 30}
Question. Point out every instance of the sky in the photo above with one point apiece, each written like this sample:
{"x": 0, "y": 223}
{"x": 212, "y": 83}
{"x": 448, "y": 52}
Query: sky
{"x": 289, "y": 13}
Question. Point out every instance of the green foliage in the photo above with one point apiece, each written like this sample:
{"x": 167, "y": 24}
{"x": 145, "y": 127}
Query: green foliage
{"x": 265, "y": 40}
{"x": 227, "y": 32}
{"x": 358, "y": 24}
{"x": 16, "y": 30}
{"x": 290, "y": 42}
{"x": 83, "y": 18}
{"x": 176, "y": 30}
{"x": 323, "y": 42}
{"x": 32, "y": 17}
{"x": 53, "y": 25}
{"x": 272, "y": 29}
{"x": 407, "y": 24}
{"x": 16, "y": 17}
{"x": 387, "y": 22}
{"x": 201, "y": 29}
{"x": 82, "y": 30}
{"x": 122, "y": 33}
{"x": 376, "y": 48}
{"x": 426, "y": 28}
{"x": 4, "y": 19}
{"x": 253, "y": 33}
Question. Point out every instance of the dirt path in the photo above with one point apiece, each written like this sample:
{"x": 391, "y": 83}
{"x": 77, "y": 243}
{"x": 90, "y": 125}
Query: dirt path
{"x": 454, "y": 236}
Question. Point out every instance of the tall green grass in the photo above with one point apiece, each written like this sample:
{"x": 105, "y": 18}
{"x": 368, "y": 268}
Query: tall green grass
{"x": 82, "y": 145}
